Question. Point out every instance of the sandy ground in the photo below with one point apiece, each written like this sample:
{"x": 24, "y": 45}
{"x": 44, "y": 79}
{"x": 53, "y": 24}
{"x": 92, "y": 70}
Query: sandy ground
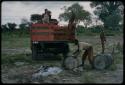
{"x": 22, "y": 73}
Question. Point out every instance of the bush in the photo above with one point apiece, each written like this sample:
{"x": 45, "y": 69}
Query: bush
{"x": 10, "y": 59}
{"x": 112, "y": 32}
{"x": 95, "y": 30}
{"x": 16, "y": 33}
{"x": 80, "y": 29}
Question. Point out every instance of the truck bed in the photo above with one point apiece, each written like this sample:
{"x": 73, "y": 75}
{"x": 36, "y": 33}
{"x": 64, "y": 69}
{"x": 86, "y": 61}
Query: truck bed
{"x": 50, "y": 32}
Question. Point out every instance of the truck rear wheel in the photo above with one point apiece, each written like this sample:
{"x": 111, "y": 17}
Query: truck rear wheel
{"x": 46, "y": 50}
{"x": 34, "y": 51}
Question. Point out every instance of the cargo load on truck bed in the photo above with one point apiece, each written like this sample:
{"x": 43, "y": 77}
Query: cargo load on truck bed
{"x": 50, "y": 32}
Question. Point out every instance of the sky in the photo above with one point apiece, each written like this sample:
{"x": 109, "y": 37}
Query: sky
{"x": 14, "y": 11}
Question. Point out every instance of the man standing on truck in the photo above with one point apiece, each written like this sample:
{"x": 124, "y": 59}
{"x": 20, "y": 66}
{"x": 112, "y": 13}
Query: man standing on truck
{"x": 45, "y": 16}
{"x": 49, "y": 13}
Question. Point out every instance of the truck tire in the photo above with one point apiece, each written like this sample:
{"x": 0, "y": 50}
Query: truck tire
{"x": 66, "y": 50}
{"x": 34, "y": 52}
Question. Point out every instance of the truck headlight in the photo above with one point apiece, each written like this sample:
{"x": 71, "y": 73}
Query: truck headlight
{"x": 35, "y": 42}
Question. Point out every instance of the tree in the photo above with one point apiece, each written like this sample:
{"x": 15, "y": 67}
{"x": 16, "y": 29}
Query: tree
{"x": 4, "y": 27}
{"x": 109, "y": 12}
{"x": 87, "y": 21}
{"x": 24, "y": 21}
{"x": 24, "y": 24}
{"x": 112, "y": 21}
{"x": 80, "y": 13}
{"x": 11, "y": 26}
{"x": 36, "y": 18}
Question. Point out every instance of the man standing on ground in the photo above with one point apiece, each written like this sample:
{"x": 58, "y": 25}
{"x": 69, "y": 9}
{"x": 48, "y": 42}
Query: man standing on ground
{"x": 103, "y": 40}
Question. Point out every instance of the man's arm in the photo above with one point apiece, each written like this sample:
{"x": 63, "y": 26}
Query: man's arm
{"x": 77, "y": 51}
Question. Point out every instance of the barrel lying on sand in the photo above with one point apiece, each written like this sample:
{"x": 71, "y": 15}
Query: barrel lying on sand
{"x": 103, "y": 61}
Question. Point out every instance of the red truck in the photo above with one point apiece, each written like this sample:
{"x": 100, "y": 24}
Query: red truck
{"x": 50, "y": 39}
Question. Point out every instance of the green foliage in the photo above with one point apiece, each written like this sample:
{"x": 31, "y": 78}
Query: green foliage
{"x": 15, "y": 40}
{"x": 112, "y": 32}
{"x": 11, "y": 59}
{"x": 88, "y": 31}
{"x": 23, "y": 26}
{"x": 8, "y": 27}
{"x": 80, "y": 13}
{"x": 80, "y": 29}
{"x": 17, "y": 32}
{"x": 36, "y": 18}
{"x": 95, "y": 30}
{"x": 109, "y": 12}
{"x": 11, "y": 26}
{"x": 4, "y": 28}
{"x": 112, "y": 21}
